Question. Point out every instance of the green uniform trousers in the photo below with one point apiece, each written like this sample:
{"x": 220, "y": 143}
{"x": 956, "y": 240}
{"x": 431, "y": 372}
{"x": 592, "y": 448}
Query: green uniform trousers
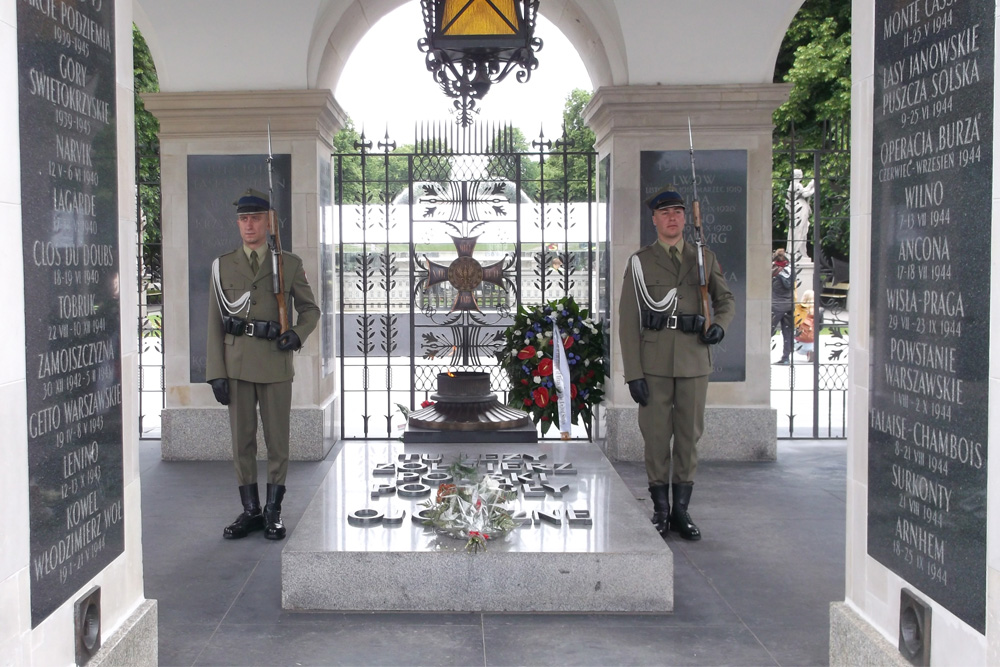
{"x": 675, "y": 409}
{"x": 275, "y": 400}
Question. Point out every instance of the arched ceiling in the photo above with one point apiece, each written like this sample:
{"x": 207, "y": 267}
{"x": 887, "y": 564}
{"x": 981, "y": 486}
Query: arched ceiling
{"x": 301, "y": 44}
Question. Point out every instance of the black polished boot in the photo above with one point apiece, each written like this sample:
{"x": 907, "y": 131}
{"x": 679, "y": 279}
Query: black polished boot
{"x": 272, "y": 512}
{"x": 680, "y": 520}
{"x": 250, "y": 519}
{"x": 660, "y": 495}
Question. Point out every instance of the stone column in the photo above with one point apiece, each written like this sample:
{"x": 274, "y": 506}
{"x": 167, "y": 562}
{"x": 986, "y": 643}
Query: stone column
{"x": 628, "y": 120}
{"x": 302, "y": 124}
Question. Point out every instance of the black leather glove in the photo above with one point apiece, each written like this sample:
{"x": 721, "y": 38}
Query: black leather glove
{"x": 289, "y": 341}
{"x": 639, "y": 390}
{"x": 714, "y": 335}
{"x": 220, "y": 386}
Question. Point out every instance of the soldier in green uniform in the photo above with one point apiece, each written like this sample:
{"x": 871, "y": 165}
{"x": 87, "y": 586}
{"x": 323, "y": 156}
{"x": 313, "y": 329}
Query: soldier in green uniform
{"x": 667, "y": 356}
{"x": 249, "y": 360}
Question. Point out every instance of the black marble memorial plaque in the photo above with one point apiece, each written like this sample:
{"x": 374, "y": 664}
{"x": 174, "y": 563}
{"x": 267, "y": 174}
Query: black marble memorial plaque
{"x": 932, "y": 177}
{"x": 722, "y": 193}
{"x": 69, "y": 232}
{"x": 214, "y": 183}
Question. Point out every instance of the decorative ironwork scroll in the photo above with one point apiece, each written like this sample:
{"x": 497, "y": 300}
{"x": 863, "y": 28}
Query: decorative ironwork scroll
{"x": 439, "y": 245}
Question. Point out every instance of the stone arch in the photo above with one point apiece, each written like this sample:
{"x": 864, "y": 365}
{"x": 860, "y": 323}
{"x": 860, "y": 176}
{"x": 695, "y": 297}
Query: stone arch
{"x": 338, "y": 31}
{"x": 149, "y": 33}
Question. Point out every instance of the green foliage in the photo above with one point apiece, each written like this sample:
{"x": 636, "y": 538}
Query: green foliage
{"x": 347, "y": 180}
{"x": 569, "y": 166}
{"x": 147, "y": 127}
{"x": 144, "y": 81}
{"x": 815, "y": 57}
{"x": 380, "y": 176}
{"x": 510, "y": 150}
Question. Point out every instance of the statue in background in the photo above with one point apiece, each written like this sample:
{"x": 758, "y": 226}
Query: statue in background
{"x": 798, "y": 204}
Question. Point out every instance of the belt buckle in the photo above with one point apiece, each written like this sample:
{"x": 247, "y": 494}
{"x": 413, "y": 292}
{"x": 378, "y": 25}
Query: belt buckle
{"x": 672, "y": 322}
{"x": 249, "y": 329}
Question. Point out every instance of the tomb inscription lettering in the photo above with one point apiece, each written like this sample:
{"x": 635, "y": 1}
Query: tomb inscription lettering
{"x": 930, "y": 308}
{"x": 69, "y": 231}
{"x": 521, "y": 473}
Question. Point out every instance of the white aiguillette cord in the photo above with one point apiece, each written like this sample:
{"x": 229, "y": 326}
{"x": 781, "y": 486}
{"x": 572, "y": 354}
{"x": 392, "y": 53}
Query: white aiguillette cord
{"x": 667, "y": 302}
{"x": 231, "y": 307}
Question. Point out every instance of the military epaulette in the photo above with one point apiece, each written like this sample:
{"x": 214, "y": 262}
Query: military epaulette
{"x": 648, "y": 248}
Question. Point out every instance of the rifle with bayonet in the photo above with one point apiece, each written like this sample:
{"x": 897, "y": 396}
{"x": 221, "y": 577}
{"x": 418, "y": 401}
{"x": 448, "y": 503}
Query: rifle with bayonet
{"x": 699, "y": 239}
{"x": 274, "y": 241}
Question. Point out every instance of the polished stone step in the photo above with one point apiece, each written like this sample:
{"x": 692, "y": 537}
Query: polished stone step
{"x": 615, "y": 561}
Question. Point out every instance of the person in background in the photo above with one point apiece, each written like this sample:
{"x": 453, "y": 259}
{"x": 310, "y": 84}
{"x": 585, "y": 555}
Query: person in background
{"x": 249, "y": 359}
{"x": 782, "y": 302}
{"x": 805, "y": 333}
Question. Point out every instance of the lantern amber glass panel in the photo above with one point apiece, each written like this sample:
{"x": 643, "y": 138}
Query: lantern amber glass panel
{"x": 478, "y": 17}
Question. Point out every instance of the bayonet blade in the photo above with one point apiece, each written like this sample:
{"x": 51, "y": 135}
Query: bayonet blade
{"x": 694, "y": 181}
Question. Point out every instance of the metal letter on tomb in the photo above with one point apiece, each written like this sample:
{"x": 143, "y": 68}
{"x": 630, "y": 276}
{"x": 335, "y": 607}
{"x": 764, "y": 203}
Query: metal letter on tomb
{"x": 382, "y": 489}
{"x": 365, "y": 517}
{"x": 552, "y": 517}
{"x": 413, "y": 490}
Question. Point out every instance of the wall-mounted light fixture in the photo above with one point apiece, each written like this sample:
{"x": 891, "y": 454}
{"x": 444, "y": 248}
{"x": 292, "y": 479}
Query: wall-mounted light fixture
{"x": 87, "y": 625}
{"x": 914, "y": 629}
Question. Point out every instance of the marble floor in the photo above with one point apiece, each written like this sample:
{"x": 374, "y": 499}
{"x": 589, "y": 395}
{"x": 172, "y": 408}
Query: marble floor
{"x": 755, "y": 591}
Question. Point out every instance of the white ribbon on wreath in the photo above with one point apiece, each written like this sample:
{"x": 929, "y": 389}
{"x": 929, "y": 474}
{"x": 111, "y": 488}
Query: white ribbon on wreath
{"x": 562, "y": 381}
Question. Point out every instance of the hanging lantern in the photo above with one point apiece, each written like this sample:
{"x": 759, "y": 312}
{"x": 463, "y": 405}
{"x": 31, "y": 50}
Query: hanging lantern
{"x": 472, "y": 44}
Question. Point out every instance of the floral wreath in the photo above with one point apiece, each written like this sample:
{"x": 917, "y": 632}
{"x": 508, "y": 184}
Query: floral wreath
{"x": 528, "y": 360}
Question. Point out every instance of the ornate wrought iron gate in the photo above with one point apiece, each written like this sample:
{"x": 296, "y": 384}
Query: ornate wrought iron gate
{"x": 437, "y": 244}
{"x": 150, "y": 287}
{"x": 810, "y": 393}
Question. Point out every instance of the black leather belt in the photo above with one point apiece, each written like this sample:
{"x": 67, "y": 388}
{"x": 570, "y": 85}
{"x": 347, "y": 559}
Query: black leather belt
{"x": 655, "y": 320}
{"x": 238, "y": 326}
{"x": 263, "y": 329}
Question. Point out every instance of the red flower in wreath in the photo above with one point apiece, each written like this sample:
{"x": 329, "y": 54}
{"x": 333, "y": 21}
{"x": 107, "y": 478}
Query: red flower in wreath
{"x": 568, "y": 342}
{"x": 445, "y": 490}
{"x": 541, "y": 397}
{"x": 526, "y": 353}
{"x": 545, "y": 367}
{"x": 572, "y": 391}
{"x": 426, "y": 404}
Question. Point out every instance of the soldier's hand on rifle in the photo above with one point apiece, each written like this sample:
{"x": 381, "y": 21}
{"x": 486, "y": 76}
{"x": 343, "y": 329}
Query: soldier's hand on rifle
{"x": 289, "y": 341}
{"x": 220, "y": 387}
{"x": 639, "y": 390}
{"x": 714, "y": 335}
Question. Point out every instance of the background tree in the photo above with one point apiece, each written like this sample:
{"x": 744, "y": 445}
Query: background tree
{"x": 386, "y": 174}
{"x": 347, "y": 181}
{"x": 147, "y": 128}
{"x": 511, "y": 158}
{"x": 812, "y": 127}
{"x": 569, "y": 165}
